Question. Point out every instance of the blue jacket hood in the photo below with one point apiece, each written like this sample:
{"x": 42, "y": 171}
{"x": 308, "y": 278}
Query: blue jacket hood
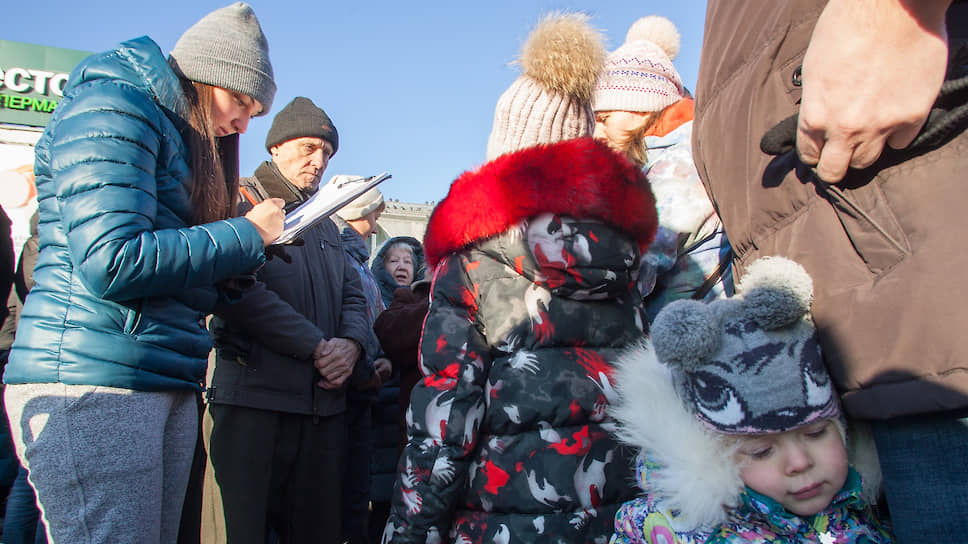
{"x": 138, "y": 62}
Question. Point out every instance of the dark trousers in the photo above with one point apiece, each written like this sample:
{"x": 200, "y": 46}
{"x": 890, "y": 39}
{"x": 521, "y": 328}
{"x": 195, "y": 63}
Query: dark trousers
{"x": 278, "y": 471}
{"x": 21, "y": 522}
{"x": 356, "y": 478}
{"x": 378, "y": 520}
{"x": 191, "y": 516}
{"x": 925, "y": 476}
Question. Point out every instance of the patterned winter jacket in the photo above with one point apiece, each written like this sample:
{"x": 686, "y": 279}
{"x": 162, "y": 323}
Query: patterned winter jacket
{"x": 758, "y": 520}
{"x": 762, "y": 520}
{"x": 535, "y": 257}
{"x": 691, "y": 240}
{"x": 647, "y": 520}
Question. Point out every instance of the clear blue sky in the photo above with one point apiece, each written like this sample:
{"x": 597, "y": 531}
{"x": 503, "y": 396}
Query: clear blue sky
{"x": 411, "y": 86}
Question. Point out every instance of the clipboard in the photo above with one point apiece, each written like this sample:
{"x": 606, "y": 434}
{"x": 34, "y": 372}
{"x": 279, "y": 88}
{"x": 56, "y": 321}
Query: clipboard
{"x": 327, "y": 200}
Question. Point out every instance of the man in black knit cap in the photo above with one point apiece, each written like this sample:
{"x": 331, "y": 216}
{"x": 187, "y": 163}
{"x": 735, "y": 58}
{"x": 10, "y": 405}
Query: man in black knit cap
{"x": 283, "y": 354}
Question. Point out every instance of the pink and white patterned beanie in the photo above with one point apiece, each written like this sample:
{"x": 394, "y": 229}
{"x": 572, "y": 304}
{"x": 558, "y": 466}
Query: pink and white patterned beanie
{"x": 640, "y": 76}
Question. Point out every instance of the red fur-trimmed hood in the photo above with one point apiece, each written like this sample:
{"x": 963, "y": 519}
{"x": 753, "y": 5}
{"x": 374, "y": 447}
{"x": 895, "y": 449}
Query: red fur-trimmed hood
{"x": 581, "y": 178}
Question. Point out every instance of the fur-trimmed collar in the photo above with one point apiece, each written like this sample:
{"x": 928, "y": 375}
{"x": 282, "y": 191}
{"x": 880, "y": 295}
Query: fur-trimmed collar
{"x": 697, "y": 475}
{"x": 582, "y": 178}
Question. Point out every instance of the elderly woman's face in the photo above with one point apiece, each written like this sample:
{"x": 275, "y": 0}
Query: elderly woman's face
{"x": 399, "y": 263}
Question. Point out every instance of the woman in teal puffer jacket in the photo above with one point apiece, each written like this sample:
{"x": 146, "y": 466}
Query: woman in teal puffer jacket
{"x": 137, "y": 177}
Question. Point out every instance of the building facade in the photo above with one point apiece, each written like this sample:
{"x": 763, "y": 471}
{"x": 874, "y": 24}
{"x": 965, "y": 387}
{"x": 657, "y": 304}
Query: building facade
{"x": 401, "y": 219}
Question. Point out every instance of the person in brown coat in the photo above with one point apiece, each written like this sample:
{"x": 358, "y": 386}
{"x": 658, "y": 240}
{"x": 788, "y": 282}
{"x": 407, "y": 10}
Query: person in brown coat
{"x": 398, "y": 328}
{"x": 874, "y": 218}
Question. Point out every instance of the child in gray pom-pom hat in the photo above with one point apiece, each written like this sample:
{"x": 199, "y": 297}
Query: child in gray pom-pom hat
{"x": 740, "y": 432}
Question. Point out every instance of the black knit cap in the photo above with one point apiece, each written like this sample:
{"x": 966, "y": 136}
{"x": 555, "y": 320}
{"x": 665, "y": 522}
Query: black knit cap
{"x": 299, "y": 119}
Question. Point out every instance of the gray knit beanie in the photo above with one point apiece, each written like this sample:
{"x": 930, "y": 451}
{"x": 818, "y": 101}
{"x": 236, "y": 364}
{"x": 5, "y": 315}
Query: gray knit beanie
{"x": 299, "y": 119}
{"x": 227, "y": 49}
{"x": 751, "y": 363}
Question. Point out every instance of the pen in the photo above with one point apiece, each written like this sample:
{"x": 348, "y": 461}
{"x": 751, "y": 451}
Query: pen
{"x": 247, "y": 196}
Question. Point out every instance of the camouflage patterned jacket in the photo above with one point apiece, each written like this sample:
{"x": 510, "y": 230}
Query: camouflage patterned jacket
{"x": 534, "y": 258}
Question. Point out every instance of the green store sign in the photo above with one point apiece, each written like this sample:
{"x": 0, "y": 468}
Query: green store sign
{"x": 32, "y": 79}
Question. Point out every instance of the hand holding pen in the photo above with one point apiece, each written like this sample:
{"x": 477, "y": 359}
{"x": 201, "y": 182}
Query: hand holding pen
{"x": 268, "y": 218}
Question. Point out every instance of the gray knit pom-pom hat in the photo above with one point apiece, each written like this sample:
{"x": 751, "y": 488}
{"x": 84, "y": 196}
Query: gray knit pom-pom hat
{"x": 751, "y": 363}
{"x": 227, "y": 49}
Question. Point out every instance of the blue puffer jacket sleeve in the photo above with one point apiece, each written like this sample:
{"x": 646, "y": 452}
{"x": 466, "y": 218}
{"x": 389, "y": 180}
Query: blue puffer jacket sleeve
{"x": 104, "y": 158}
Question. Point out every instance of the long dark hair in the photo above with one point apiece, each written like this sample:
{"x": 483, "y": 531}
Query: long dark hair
{"x": 214, "y": 161}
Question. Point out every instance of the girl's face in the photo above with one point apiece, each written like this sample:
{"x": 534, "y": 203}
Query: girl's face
{"x": 616, "y": 127}
{"x": 399, "y": 263}
{"x": 802, "y": 469}
{"x": 231, "y": 111}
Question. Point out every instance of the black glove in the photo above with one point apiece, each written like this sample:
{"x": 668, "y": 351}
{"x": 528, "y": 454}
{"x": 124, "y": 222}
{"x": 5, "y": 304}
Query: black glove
{"x": 279, "y": 250}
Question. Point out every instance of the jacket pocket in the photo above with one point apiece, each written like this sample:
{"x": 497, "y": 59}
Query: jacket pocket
{"x": 329, "y": 253}
{"x": 870, "y": 224}
{"x": 327, "y": 242}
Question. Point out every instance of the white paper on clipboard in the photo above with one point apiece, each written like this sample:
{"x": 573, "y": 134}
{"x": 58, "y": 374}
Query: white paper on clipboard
{"x": 328, "y": 199}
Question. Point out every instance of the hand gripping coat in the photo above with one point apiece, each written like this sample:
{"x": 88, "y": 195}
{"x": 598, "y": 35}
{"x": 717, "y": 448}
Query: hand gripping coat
{"x": 534, "y": 260}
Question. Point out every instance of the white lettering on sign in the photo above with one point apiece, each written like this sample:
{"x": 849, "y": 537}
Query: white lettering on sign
{"x": 22, "y": 80}
{"x": 11, "y": 77}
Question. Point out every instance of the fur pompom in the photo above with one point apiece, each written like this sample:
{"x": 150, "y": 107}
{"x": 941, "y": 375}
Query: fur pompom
{"x": 686, "y": 333}
{"x": 658, "y": 30}
{"x": 777, "y": 292}
{"x": 564, "y": 53}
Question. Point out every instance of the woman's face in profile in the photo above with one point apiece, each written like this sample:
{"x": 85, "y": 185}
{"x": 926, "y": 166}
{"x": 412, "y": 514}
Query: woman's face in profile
{"x": 399, "y": 263}
{"x": 615, "y": 127}
{"x": 231, "y": 111}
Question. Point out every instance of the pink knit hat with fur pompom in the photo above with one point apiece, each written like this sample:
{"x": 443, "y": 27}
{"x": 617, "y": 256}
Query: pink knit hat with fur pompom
{"x": 639, "y": 76}
{"x": 551, "y": 101}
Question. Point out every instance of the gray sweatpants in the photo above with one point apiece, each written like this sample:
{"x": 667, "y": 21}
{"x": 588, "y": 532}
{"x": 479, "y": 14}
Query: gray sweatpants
{"x": 108, "y": 464}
